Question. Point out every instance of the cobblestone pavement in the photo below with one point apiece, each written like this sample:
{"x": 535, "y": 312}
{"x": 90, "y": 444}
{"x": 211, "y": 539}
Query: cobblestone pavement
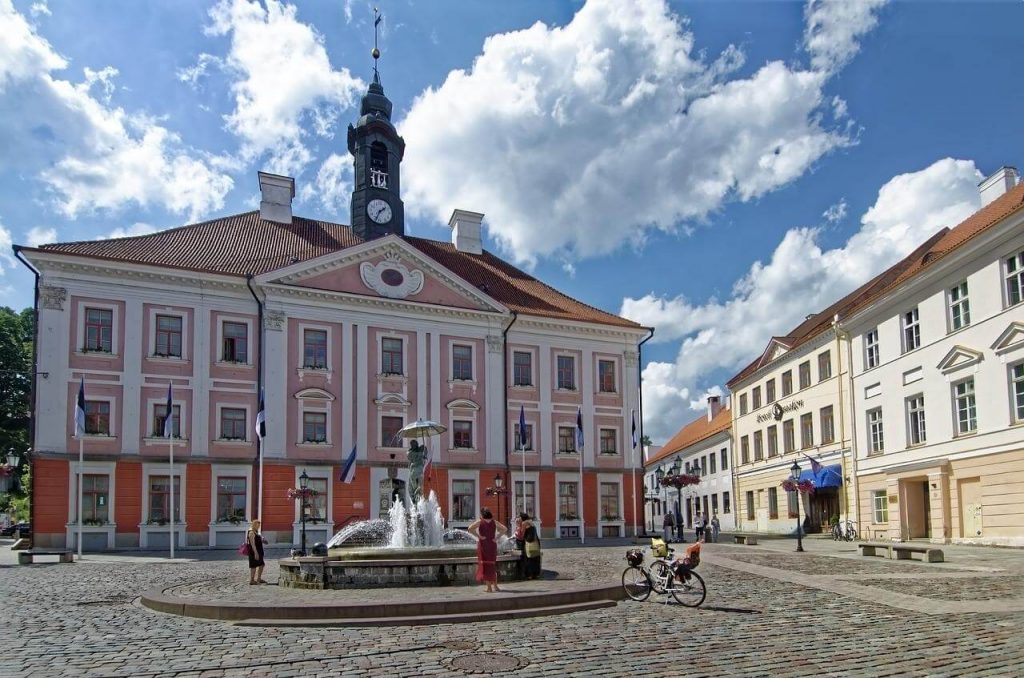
{"x": 81, "y": 620}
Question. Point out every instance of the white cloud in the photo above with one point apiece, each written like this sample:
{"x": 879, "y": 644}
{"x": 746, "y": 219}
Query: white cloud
{"x": 727, "y": 334}
{"x": 40, "y": 235}
{"x": 284, "y": 84}
{"x": 38, "y": 9}
{"x": 578, "y": 139}
{"x": 834, "y": 27}
{"x": 89, "y": 153}
{"x": 836, "y": 213}
{"x": 138, "y": 228}
{"x": 191, "y": 75}
{"x": 332, "y": 186}
{"x": 6, "y": 243}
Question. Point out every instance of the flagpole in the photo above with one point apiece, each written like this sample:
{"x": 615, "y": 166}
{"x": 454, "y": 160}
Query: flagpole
{"x": 583, "y": 519}
{"x": 81, "y": 464}
{"x": 170, "y": 478}
{"x": 259, "y": 507}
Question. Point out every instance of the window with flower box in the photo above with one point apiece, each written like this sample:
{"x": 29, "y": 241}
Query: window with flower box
{"x": 160, "y": 499}
{"x": 314, "y": 349}
{"x": 232, "y": 423}
{"x": 97, "y": 417}
{"x": 567, "y": 440}
{"x": 610, "y": 501}
{"x": 566, "y": 373}
{"x": 99, "y": 330}
{"x": 606, "y": 376}
{"x": 314, "y": 427}
{"x": 160, "y": 416}
{"x": 516, "y": 441}
{"x": 608, "y": 441}
{"x": 168, "y": 336}
{"x": 568, "y": 507}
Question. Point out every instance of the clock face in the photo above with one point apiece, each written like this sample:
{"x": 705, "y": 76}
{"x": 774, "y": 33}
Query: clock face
{"x": 379, "y": 211}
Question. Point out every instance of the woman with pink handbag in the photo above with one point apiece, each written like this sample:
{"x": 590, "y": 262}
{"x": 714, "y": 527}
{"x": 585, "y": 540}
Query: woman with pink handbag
{"x": 253, "y": 548}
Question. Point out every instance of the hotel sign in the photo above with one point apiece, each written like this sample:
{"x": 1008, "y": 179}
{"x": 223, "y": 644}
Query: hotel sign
{"x": 779, "y": 410}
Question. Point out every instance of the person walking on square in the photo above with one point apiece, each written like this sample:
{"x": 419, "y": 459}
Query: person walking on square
{"x": 698, "y": 526}
{"x": 716, "y": 527}
{"x": 255, "y": 541}
{"x": 666, "y": 527}
{"x": 486, "y": 529}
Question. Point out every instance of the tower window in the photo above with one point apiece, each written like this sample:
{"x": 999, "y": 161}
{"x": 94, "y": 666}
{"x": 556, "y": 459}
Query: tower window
{"x": 378, "y": 165}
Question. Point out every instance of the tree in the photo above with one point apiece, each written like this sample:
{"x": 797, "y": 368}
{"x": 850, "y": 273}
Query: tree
{"x": 16, "y": 333}
{"x": 645, "y": 440}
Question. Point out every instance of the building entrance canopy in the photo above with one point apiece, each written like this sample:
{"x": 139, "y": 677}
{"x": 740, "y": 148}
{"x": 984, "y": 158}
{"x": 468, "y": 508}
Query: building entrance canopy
{"x": 825, "y": 477}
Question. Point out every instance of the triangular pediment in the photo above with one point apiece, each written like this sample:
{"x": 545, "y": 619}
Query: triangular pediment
{"x": 959, "y": 357}
{"x": 1009, "y": 339}
{"x": 388, "y": 268}
{"x": 775, "y": 349}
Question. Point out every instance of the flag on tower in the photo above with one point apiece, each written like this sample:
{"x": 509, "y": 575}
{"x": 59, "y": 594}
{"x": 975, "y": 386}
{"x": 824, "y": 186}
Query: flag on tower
{"x": 169, "y": 415}
{"x": 80, "y": 410}
{"x": 348, "y": 471}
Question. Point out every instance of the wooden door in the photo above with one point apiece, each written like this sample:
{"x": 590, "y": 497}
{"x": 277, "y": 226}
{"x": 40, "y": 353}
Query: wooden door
{"x": 970, "y": 508}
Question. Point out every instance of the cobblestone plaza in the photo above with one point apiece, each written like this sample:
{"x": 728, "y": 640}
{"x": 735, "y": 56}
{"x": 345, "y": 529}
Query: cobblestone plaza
{"x": 769, "y": 611}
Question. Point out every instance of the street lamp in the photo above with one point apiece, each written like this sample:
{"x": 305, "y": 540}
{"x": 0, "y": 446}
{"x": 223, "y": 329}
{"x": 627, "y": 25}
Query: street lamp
{"x": 677, "y": 468}
{"x": 498, "y": 491}
{"x": 794, "y": 474}
{"x": 303, "y": 486}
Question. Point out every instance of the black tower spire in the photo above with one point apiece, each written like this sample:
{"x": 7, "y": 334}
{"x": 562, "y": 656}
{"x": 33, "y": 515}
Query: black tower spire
{"x": 377, "y": 152}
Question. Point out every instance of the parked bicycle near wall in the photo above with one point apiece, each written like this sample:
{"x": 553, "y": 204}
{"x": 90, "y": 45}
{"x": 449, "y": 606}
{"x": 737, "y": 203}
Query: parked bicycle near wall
{"x": 665, "y": 576}
{"x": 844, "y": 530}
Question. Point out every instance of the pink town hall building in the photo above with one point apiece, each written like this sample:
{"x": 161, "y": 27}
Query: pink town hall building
{"x": 351, "y": 331}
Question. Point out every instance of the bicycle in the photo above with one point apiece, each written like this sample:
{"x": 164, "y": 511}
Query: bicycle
{"x": 844, "y": 531}
{"x": 685, "y": 586}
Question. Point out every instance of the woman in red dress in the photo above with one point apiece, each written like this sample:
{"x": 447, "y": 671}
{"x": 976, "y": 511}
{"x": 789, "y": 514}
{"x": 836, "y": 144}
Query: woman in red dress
{"x": 486, "y": 529}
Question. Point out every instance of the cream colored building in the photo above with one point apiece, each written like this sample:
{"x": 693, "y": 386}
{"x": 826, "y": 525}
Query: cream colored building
{"x": 789, "y": 406}
{"x": 938, "y": 380}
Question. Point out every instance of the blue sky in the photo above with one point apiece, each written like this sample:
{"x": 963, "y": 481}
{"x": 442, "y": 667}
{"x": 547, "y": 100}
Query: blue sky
{"x": 715, "y": 169}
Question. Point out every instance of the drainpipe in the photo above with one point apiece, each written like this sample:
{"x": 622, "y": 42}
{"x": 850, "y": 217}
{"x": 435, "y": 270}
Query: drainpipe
{"x": 30, "y": 453}
{"x": 259, "y": 392}
{"x": 640, "y": 407}
{"x": 504, "y": 382}
{"x": 853, "y": 426}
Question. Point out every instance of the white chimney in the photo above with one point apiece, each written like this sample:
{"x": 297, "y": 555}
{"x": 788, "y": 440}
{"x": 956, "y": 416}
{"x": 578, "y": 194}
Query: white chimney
{"x": 998, "y": 183}
{"x": 714, "y": 406}
{"x": 466, "y": 231}
{"x": 276, "y": 197}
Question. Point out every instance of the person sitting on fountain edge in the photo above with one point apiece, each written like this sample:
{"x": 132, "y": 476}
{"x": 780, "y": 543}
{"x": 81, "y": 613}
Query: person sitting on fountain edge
{"x": 486, "y": 529}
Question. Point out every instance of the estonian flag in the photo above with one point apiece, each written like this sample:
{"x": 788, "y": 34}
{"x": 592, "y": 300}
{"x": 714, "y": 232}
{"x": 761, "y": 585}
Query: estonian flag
{"x": 348, "y": 471}
{"x": 261, "y": 420}
{"x": 579, "y": 430}
{"x": 815, "y": 464}
{"x": 80, "y": 411}
{"x": 522, "y": 428}
{"x": 169, "y": 417}
{"x": 633, "y": 413}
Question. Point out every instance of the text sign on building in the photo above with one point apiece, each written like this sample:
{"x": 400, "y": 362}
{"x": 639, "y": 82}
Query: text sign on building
{"x": 779, "y": 410}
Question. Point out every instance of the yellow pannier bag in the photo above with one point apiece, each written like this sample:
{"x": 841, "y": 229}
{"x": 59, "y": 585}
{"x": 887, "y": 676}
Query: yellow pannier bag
{"x": 659, "y": 548}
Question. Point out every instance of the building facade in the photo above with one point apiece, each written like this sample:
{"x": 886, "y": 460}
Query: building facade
{"x": 938, "y": 372}
{"x": 351, "y": 332}
{"x": 703, "y": 447}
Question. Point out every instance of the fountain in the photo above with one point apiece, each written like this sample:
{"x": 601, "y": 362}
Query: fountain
{"x": 410, "y": 547}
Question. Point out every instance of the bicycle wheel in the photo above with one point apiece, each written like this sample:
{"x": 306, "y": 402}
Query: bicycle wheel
{"x": 661, "y": 576}
{"x": 851, "y": 534}
{"x": 636, "y": 584}
{"x": 690, "y": 593}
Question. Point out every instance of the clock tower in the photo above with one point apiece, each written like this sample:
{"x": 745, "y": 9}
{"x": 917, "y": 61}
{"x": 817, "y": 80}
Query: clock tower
{"x": 377, "y": 152}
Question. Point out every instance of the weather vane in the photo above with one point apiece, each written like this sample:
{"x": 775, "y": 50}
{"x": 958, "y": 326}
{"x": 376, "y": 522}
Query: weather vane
{"x": 376, "y": 52}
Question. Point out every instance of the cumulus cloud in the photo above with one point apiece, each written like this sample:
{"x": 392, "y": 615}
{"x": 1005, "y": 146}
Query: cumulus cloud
{"x": 89, "y": 153}
{"x": 191, "y": 75}
{"x": 729, "y": 333}
{"x": 835, "y": 213}
{"x": 833, "y": 29}
{"x": 576, "y": 140}
{"x": 39, "y": 9}
{"x": 284, "y": 85}
{"x": 138, "y": 228}
{"x": 6, "y": 243}
{"x": 332, "y": 187}
{"x": 40, "y": 235}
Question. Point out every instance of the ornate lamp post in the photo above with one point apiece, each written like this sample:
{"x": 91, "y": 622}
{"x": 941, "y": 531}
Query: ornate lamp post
{"x": 794, "y": 485}
{"x": 498, "y": 491}
{"x": 304, "y": 487}
{"x": 659, "y": 476}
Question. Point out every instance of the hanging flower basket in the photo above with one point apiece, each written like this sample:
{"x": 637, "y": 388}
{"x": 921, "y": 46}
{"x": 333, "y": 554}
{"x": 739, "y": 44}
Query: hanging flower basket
{"x": 680, "y": 481}
{"x": 6, "y": 470}
{"x": 803, "y": 487}
{"x": 301, "y": 493}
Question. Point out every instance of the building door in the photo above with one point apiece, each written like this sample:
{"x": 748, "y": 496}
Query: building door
{"x": 970, "y": 508}
{"x": 916, "y": 508}
{"x": 926, "y": 504}
{"x": 761, "y": 513}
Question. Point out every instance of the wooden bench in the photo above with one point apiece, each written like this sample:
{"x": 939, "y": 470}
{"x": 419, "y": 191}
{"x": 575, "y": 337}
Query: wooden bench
{"x": 871, "y": 549}
{"x": 904, "y": 551}
{"x": 748, "y": 539}
{"x": 25, "y": 557}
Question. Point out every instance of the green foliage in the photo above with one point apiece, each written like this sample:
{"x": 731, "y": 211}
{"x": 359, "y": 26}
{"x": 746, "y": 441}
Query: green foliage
{"x": 16, "y": 333}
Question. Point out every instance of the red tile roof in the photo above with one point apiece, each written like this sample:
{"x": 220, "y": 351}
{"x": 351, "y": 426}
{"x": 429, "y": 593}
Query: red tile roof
{"x": 697, "y": 430}
{"x": 932, "y": 250}
{"x": 244, "y": 243}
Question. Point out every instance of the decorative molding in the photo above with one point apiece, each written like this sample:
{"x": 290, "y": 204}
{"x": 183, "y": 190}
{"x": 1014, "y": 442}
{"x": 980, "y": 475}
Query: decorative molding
{"x": 495, "y": 344}
{"x": 391, "y": 278}
{"x": 274, "y": 320}
{"x": 1010, "y": 338}
{"x": 403, "y": 305}
{"x": 392, "y": 399}
{"x": 313, "y": 394}
{"x": 462, "y": 404}
{"x": 959, "y": 357}
{"x": 630, "y": 358}
{"x": 53, "y": 298}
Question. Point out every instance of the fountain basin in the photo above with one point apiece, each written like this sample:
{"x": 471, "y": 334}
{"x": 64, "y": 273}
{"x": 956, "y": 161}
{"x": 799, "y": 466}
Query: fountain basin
{"x": 407, "y": 553}
{"x": 377, "y": 568}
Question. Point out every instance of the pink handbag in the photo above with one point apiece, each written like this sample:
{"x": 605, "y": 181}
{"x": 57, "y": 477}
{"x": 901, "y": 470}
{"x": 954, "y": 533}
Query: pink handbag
{"x": 244, "y": 549}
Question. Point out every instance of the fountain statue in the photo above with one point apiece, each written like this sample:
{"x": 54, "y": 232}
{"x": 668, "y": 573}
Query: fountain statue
{"x": 417, "y": 456}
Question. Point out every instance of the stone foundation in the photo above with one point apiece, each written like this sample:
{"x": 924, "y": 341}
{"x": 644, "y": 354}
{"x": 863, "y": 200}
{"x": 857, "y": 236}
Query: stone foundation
{"x": 322, "y": 573}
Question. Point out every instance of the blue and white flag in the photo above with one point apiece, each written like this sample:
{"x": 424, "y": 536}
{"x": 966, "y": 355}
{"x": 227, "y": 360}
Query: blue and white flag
{"x": 80, "y": 411}
{"x": 815, "y": 464}
{"x": 633, "y": 413}
{"x": 169, "y": 416}
{"x": 261, "y": 420}
{"x": 522, "y": 428}
{"x": 579, "y": 430}
{"x": 348, "y": 471}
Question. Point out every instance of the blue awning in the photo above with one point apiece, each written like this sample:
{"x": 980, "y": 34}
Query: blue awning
{"x": 827, "y": 476}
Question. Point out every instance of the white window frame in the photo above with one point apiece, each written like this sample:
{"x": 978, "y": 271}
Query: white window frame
{"x": 827, "y": 363}
{"x": 872, "y": 353}
{"x": 532, "y": 477}
{"x": 150, "y": 469}
{"x": 910, "y": 329}
{"x": 917, "y": 432}
{"x": 326, "y": 527}
{"x": 557, "y": 450}
{"x": 471, "y": 345}
{"x": 880, "y": 507}
{"x": 248, "y": 420}
{"x": 250, "y": 340}
{"x": 177, "y": 313}
{"x": 972, "y": 407}
{"x": 229, "y": 471}
{"x": 1016, "y": 413}
{"x": 610, "y": 479}
{"x": 107, "y": 468}
{"x": 381, "y": 336}
{"x": 598, "y": 359}
{"x": 533, "y": 368}
{"x": 961, "y": 303}
{"x": 567, "y": 477}
{"x": 474, "y": 476}
{"x": 115, "y": 324}
{"x": 110, "y": 400}
{"x": 463, "y": 409}
{"x": 1014, "y": 278}
{"x": 380, "y": 427}
{"x": 532, "y": 425}
{"x": 151, "y": 405}
{"x": 876, "y": 431}
{"x": 320, "y": 405}
{"x": 321, "y": 327}
{"x": 618, "y": 441}
{"x": 575, "y": 373}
